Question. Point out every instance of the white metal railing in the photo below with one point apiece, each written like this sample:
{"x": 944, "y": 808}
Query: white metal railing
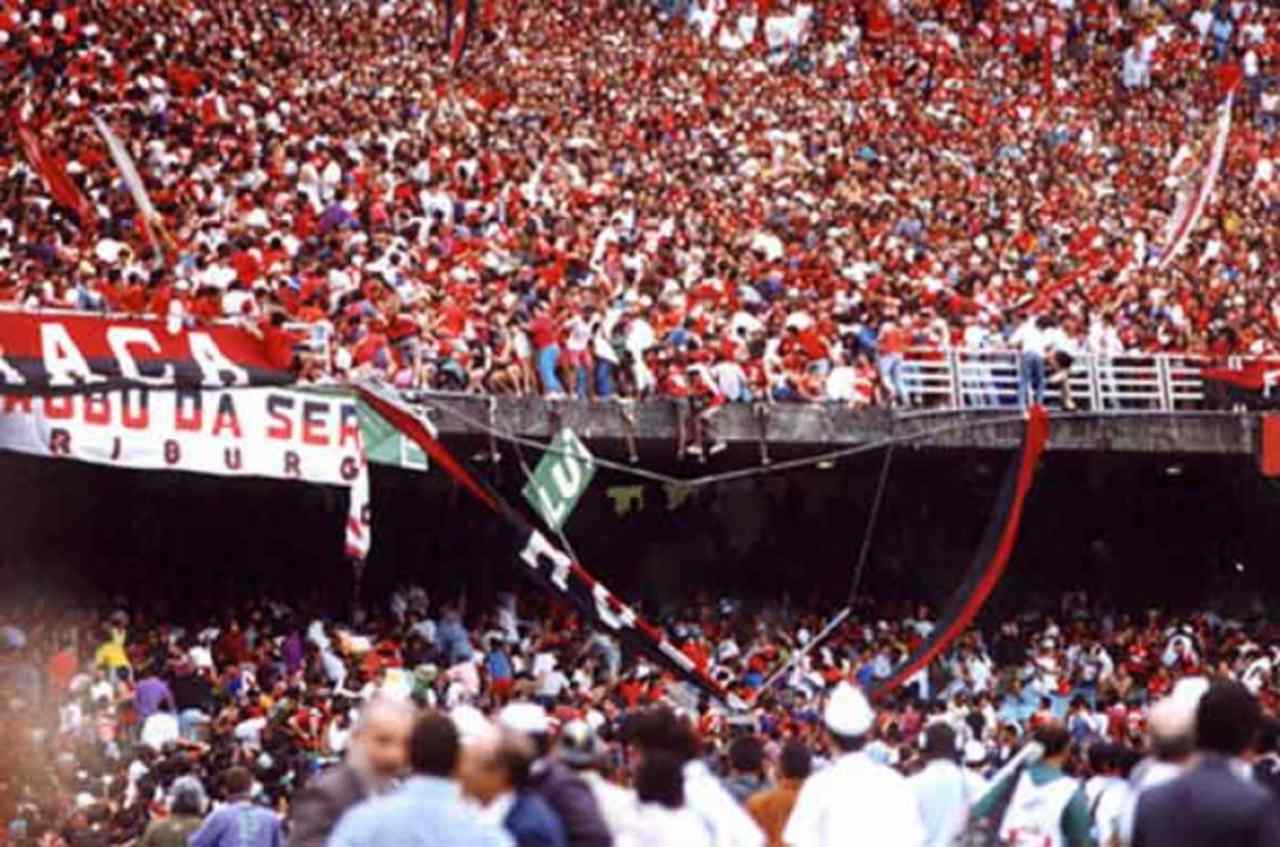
{"x": 977, "y": 379}
{"x": 956, "y": 378}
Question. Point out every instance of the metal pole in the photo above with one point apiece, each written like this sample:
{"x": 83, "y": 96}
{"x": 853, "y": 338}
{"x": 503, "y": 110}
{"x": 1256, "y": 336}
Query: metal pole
{"x": 806, "y": 649}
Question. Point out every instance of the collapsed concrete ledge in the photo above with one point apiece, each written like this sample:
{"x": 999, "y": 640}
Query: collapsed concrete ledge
{"x": 1118, "y": 431}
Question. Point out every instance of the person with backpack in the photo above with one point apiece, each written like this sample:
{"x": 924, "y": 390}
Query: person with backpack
{"x": 1046, "y": 807}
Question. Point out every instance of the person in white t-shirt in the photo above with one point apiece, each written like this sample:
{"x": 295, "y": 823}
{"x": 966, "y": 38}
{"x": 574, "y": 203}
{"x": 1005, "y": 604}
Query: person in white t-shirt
{"x": 1030, "y": 339}
{"x": 854, "y": 798}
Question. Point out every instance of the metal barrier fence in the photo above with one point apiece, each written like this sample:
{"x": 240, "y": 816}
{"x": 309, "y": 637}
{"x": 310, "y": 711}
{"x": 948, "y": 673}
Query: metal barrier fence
{"x": 970, "y": 379}
{"x": 978, "y": 379}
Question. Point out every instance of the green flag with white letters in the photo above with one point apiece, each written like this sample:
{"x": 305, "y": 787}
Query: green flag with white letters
{"x": 560, "y": 479}
{"x": 385, "y": 445}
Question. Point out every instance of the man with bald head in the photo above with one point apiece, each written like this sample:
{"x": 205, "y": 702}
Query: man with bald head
{"x": 1171, "y": 730}
{"x": 377, "y": 753}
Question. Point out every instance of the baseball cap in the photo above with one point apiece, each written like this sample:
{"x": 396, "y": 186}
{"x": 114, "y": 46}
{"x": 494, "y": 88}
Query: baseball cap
{"x": 848, "y": 712}
{"x": 579, "y": 745}
{"x": 529, "y": 718}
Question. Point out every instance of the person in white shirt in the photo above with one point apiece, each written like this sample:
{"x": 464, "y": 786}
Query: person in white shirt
{"x": 1136, "y": 71}
{"x": 854, "y": 799}
{"x": 659, "y": 732}
{"x": 842, "y": 382}
{"x": 941, "y": 789}
{"x": 1202, "y": 19}
{"x": 732, "y": 381}
{"x": 1060, "y": 351}
{"x": 1107, "y": 793}
{"x": 1030, "y": 339}
{"x": 665, "y": 819}
{"x": 975, "y": 763}
{"x": 979, "y": 387}
{"x": 579, "y": 747}
{"x": 1103, "y": 343}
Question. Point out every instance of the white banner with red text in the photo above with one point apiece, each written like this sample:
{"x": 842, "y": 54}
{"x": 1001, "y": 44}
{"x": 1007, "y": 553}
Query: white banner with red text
{"x": 264, "y": 432}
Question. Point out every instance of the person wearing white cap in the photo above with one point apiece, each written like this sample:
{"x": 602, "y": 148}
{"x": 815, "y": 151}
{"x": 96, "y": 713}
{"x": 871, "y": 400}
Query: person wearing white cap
{"x": 854, "y": 800}
{"x": 975, "y": 762}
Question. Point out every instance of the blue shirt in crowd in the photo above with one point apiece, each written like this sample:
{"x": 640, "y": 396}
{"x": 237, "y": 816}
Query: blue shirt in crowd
{"x": 239, "y": 824}
{"x": 424, "y": 812}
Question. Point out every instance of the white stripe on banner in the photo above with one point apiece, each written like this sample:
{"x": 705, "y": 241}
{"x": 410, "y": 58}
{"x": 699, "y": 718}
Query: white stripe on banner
{"x": 267, "y": 432}
{"x": 130, "y": 174}
{"x": 1195, "y": 196}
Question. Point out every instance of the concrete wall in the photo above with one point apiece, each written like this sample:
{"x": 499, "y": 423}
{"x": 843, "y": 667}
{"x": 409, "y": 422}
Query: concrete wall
{"x": 1219, "y": 433}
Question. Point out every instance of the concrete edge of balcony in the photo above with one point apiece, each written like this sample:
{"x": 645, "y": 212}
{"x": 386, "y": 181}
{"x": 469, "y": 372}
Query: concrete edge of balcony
{"x": 1123, "y": 431}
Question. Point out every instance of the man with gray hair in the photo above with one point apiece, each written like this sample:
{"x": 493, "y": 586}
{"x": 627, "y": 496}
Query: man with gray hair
{"x": 1171, "y": 729}
{"x": 1171, "y": 733}
{"x": 377, "y": 754}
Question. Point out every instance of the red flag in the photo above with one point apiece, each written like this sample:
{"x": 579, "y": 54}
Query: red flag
{"x": 54, "y": 173}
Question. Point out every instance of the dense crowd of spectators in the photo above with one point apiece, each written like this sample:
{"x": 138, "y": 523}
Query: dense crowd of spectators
{"x": 120, "y": 724}
{"x": 722, "y": 199}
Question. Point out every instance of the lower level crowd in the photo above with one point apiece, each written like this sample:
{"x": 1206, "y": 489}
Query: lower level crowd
{"x": 438, "y": 725}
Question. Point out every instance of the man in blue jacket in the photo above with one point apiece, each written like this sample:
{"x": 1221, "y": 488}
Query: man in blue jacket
{"x": 1214, "y": 803}
{"x": 239, "y": 822}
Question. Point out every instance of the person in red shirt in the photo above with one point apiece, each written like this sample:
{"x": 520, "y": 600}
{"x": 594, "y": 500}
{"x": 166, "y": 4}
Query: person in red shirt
{"x": 61, "y": 668}
{"x": 280, "y": 343}
{"x": 544, "y": 334}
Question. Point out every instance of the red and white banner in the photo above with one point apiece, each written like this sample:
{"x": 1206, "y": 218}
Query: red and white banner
{"x": 53, "y": 172}
{"x": 1198, "y": 172}
{"x": 263, "y": 432}
{"x": 132, "y": 180}
{"x": 51, "y": 352}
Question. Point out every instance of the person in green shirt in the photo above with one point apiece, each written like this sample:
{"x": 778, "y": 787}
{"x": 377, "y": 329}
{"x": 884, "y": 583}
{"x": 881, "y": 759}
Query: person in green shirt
{"x": 1040, "y": 805}
{"x": 186, "y": 813}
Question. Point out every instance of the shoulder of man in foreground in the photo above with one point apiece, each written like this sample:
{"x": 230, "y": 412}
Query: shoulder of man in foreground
{"x": 360, "y": 824}
{"x": 317, "y": 806}
{"x": 370, "y": 824}
{"x": 1254, "y": 808}
{"x": 533, "y": 822}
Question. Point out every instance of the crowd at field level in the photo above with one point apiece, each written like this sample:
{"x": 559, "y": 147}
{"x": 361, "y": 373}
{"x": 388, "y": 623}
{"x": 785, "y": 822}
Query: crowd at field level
{"x": 603, "y": 199}
{"x": 439, "y": 725}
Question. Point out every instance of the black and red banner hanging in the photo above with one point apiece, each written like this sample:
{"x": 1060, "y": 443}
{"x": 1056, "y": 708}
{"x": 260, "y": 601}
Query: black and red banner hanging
{"x": 52, "y": 352}
{"x": 1251, "y": 386}
{"x": 991, "y": 559}
{"x": 541, "y": 561}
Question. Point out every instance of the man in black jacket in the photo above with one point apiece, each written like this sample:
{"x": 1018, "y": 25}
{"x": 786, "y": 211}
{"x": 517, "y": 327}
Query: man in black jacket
{"x": 1213, "y": 803}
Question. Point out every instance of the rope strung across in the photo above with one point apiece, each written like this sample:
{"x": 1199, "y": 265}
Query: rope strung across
{"x": 951, "y": 427}
{"x": 549, "y": 568}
